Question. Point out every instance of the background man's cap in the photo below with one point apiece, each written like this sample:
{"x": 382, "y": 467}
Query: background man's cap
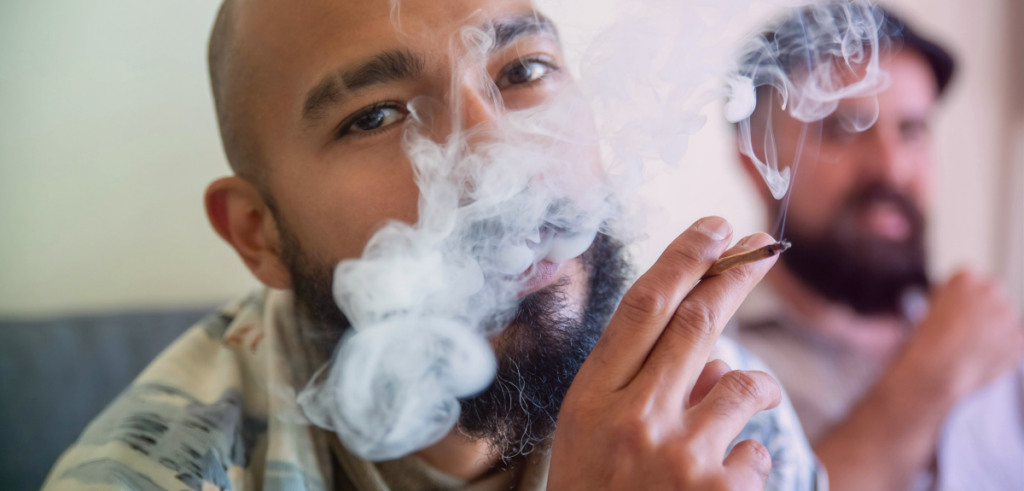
{"x": 788, "y": 41}
{"x": 940, "y": 60}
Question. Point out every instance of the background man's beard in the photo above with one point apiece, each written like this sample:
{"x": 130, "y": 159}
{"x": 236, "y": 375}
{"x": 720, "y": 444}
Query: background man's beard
{"x": 867, "y": 273}
{"x": 539, "y": 354}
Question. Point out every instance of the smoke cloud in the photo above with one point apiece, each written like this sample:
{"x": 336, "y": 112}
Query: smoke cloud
{"x": 536, "y": 185}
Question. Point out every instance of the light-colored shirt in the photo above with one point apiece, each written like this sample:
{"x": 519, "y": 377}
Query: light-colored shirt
{"x": 216, "y": 411}
{"x": 982, "y": 441}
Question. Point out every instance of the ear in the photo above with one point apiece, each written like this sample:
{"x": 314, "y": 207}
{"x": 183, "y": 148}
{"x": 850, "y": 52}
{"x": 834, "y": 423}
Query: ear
{"x": 240, "y": 216}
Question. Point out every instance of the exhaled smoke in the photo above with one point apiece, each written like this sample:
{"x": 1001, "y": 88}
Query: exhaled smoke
{"x": 495, "y": 200}
{"x": 501, "y": 196}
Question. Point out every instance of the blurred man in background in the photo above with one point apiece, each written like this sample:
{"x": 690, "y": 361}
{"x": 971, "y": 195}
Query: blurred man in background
{"x": 899, "y": 383}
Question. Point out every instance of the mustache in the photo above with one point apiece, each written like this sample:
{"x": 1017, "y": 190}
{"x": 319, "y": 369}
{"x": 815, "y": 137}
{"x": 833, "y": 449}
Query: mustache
{"x": 880, "y": 192}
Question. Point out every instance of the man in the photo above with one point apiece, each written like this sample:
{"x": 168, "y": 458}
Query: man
{"x": 310, "y": 98}
{"x": 874, "y": 356}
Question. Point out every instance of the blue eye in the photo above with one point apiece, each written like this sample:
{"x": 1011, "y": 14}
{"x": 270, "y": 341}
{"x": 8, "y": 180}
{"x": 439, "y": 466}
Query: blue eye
{"x": 522, "y": 72}
{"x": 373, "y": 118}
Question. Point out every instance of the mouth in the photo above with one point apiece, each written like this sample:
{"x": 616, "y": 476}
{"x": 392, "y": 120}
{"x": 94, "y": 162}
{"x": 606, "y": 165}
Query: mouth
{"x": 886, "y": 221}
{"x": 539, "y": 276}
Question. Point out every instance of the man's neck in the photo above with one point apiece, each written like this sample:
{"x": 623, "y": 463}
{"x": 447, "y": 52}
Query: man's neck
{"x": 879, "y": 335}
{"x": 460, "y": 456}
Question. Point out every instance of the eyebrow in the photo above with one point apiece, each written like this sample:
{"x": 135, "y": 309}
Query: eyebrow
{"x": 380, "y": 69}
{"x": 401, "y": 64}
{"x": 509, "y": 29}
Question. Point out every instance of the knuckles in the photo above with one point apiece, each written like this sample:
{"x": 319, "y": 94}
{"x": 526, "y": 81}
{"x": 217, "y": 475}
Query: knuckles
{"x": 749, "y": 273}
{"x": 762, "y": 459}
{"x": 690, "y": 249}
{"x": 688, "y": 254}
{"x": 643, "y": 303}
{"x": 686, "y": 472}
{"x": 759, "y": 459}
{"x": 673, "y": 461}
{"x": 635, "y": 434}
{"x": 749, "y": 387}
{"x": 694, "y": 320}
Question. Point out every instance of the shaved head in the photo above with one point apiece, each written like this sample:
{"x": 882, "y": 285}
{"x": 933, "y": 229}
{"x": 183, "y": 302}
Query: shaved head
{"x": 227, "y": 77}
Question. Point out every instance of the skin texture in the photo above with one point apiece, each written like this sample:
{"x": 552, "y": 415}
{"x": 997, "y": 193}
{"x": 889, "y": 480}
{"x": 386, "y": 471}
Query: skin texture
{"x": 628, "y": 410}
{"x": 970, "y": 336}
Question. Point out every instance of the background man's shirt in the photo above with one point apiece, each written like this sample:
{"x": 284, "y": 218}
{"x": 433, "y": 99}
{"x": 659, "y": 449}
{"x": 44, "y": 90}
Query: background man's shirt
{"x": 982, "y": 441}
{"x": 217, "y": 411}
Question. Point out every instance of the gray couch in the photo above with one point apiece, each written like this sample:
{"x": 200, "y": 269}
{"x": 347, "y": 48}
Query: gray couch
{"x": 57, "y": 375}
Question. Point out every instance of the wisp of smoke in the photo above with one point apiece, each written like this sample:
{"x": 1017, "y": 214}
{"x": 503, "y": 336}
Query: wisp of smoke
{"x": 817, "y": 56}
{"x": 538, "y": 184}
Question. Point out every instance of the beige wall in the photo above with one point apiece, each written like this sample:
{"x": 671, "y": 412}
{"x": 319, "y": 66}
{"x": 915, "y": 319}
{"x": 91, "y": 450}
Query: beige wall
{"x": 107, "y": 139}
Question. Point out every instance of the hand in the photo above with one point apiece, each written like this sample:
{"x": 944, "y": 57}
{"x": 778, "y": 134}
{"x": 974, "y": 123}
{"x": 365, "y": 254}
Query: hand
{"x": 646, "y": 411}
{"x": 970, "y": 336}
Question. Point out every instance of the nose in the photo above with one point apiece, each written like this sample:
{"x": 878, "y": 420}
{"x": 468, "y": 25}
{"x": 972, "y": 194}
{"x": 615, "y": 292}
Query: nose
{"x": 473, "y": 102}
{"x": 477, "y": 101}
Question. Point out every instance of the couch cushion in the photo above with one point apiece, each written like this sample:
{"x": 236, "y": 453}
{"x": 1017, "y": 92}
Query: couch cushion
{"x": 57, "y": 375}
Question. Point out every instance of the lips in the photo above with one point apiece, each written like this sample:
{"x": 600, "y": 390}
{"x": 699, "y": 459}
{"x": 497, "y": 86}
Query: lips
{"x": 539, "y": 276}
{"x": 886, "y": 221}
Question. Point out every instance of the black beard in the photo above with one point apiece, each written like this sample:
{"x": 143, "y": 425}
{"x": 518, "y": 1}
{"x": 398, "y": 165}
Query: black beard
{"x": 868, "y": 274}
{"x": 539, "y": 353}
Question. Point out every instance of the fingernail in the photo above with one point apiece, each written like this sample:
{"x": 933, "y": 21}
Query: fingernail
{"x": 715, "y": 227}
{"x": 743, "y": 242}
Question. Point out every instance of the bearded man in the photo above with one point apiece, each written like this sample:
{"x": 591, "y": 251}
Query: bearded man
{"x": 893, "y": 393}
{"x": 311, "y": 97}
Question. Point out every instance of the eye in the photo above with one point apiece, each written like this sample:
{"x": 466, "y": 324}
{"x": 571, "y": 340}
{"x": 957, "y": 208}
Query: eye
{"x": 524, "y": 71}
{"x": 375, "y": 117}
{"x": 913, "y": 130}
{"x": 836, "y": 131}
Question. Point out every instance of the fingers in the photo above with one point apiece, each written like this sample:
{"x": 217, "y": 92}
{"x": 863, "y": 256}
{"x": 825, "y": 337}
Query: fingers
{"x": 748, "y": 466}
{"x": 730, "y": 404}
{"x": 683, "y": 348}
{"x": 650, "y": 303}
{"x": 712, "y": 373}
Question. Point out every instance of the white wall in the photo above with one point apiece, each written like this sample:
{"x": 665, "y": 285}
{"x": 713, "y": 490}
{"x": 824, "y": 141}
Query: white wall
{"x": 108, "y": 138}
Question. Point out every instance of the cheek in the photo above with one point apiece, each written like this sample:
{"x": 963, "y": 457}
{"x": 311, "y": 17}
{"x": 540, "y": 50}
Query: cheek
{"x": 819, "y": 191}
{"x": 335, "y": 208}
{"x": 583, "y": 133}
{"x": 922, "y": 185}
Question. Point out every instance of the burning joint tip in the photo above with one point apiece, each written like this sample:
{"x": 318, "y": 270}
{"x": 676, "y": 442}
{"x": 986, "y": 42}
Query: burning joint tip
{"x": 780, "y": 246}
{"x": 726, "y": 263}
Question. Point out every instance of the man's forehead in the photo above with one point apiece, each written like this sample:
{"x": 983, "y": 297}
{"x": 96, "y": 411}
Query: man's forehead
{"x": 912, "y": 68}
{"x": 289, "y": 25}
{"x": 912, "y": 85}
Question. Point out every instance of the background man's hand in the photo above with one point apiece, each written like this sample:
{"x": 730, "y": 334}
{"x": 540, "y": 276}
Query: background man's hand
{"x": 970, "y": 336}
{"x": 646, "y": 411}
